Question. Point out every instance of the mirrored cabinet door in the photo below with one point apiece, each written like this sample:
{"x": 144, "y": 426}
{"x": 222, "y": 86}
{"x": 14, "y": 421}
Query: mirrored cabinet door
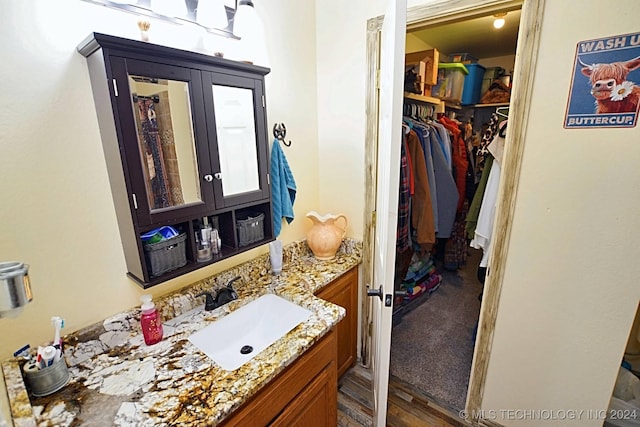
{"x": 161, "y": 127}
{"x": 236, "y": 125}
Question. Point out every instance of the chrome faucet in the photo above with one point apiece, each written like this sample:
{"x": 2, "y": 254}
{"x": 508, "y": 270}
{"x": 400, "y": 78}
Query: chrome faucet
{"x": 223, "y": 296}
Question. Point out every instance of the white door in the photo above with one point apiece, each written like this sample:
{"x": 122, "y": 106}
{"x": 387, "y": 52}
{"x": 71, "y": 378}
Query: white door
{"x": 388, "y": 175}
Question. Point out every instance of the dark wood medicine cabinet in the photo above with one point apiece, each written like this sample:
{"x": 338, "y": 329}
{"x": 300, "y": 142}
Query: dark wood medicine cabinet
{"x": 185, "y": 138}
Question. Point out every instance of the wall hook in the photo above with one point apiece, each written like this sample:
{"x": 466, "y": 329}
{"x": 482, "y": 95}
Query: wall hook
{"x": 280, "y": 132}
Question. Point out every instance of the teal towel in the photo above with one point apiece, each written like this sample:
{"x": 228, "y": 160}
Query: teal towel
{"x": 283, "y": 188}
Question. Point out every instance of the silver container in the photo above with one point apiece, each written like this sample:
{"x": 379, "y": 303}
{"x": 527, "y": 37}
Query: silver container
{"x": 15, "y": 289}
{"x": 48, "y": 380}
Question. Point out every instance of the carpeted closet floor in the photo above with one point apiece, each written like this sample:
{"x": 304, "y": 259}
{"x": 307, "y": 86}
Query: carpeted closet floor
{"x": 432, "y": 346}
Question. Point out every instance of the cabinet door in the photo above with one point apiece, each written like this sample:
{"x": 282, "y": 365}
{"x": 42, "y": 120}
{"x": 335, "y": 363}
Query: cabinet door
{"x": 344, "y": 292}
{"x": 236, "y": 125}
{"x": 316, "y": 405}
{"x": 163, "y": 139}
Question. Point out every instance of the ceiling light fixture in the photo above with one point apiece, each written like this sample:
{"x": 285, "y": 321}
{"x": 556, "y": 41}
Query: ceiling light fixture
{"x": 499, "y": 20}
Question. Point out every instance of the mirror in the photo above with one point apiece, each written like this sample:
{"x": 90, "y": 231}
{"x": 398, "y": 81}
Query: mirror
{"x": 236, "y": 132}
{"x": 162, "y": 111}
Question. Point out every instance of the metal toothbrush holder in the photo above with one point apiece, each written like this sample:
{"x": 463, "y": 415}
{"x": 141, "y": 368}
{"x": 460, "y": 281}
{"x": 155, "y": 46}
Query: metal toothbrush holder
{"x": 46, "y": 381}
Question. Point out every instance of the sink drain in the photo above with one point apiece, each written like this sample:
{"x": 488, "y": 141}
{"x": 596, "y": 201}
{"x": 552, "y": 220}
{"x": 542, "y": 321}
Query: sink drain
{"x": 246, "y": 349}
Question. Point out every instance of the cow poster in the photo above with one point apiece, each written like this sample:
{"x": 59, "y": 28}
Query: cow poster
{"x": 605, "y": 86}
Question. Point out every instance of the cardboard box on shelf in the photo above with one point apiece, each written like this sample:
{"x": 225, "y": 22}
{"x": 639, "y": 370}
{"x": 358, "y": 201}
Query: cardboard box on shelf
{"x": 425, "y": 65}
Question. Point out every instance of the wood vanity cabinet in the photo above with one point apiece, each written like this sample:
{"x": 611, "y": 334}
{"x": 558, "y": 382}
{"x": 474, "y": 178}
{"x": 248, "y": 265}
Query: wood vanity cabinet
{"x": 344, "y": 292}
{"x": 185, "y": 137}
{"x": 305, "y": 394}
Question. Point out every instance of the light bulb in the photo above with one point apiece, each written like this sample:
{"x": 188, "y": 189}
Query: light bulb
{"x": 245, "y": 19}
{"x": 499, "y": 21}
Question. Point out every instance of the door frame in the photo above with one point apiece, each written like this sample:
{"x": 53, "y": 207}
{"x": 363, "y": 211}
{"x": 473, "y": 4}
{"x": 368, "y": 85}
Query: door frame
{"x": 443, "y": 11}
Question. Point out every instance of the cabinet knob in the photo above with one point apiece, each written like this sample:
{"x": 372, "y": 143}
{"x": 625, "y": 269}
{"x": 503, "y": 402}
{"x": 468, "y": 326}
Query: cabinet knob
{"x": 218, "y": 175}
{"x": 208, "y": 178}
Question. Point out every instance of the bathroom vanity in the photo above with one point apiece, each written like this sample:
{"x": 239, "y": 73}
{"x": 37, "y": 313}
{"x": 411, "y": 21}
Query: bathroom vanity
{"x": 117, "y": 380}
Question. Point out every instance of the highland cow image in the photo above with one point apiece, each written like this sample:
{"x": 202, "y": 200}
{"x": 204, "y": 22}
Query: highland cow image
{"x": 605, "y": 86}
{"x": 610, "y": 87}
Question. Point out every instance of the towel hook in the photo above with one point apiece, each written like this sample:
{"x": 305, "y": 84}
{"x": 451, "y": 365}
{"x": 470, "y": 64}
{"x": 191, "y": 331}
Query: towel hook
{"x": 280, "y": 132}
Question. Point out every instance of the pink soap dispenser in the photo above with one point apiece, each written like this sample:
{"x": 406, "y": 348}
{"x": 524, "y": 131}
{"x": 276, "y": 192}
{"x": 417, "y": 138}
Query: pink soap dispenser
{"x": 150, "y": 321}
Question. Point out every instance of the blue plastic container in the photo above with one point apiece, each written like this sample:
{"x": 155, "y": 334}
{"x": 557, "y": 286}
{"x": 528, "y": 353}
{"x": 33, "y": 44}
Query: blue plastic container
{"x": 472, "y": 84}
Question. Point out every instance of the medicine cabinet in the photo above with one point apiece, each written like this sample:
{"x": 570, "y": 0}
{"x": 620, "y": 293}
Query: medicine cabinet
{"x": 184, "y": 137}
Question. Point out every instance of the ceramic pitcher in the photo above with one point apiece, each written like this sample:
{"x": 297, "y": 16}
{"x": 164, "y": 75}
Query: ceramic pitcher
{"x": 325, "y": 235}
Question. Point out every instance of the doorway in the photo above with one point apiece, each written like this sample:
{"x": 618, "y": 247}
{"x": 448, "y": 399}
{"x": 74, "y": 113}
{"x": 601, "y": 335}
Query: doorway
{"x": 465, "y": 97}
{"x": 441, "y": 13}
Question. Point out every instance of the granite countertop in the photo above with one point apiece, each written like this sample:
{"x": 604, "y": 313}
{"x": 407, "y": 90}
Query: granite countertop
{"x": 118, "y": 380}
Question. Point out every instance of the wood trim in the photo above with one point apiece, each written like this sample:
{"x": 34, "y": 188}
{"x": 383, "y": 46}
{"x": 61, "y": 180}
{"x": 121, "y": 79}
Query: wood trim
{"x": 371, "y": 150}
{"x": 265, "y": 406}
{"x": 450, "y": 11}
{"x": 521, "y": 94}
{"x": 440, "y": 12}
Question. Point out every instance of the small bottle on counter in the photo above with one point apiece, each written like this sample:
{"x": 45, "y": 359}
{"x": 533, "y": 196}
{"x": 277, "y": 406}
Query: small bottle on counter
{"x": 150, "y": 321}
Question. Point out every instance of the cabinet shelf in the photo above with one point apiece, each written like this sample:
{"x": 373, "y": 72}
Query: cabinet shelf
{"x": 427, "y": 99}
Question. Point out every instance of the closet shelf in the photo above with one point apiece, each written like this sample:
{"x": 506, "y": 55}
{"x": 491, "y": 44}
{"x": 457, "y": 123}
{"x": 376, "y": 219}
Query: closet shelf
{"x": 495, "y": 104}
{"x": 427, "y": 99}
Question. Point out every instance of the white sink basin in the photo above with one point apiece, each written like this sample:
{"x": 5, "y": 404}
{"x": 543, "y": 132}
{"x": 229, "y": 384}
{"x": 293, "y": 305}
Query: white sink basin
{"x": 249, "y": 329}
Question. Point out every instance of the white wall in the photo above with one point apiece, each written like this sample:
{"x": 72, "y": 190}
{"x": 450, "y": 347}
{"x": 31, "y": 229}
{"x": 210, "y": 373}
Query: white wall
{"x": 570, "y": 289}
{"x": 57, "y": 212}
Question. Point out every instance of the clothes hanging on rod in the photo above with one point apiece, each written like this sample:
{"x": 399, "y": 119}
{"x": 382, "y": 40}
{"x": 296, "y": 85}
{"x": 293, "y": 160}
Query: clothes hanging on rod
{"x": 486, "y": 216}
{"x": 434, "y": 170}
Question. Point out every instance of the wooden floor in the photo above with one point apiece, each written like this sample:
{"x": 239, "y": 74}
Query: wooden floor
{"x": 407, "y": 406}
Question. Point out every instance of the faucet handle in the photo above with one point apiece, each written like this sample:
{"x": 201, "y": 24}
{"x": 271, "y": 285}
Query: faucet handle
{"x": 230, "y": 283}
{"x": 210, "y": 303}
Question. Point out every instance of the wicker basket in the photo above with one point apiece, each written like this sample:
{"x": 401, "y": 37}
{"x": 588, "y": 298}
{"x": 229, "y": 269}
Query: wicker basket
{"x": 250, "y": 228}
{"x": 166, "y": 255}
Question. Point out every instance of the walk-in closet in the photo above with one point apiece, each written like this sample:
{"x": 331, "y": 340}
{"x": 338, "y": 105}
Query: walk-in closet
{"x": 456, "y": 107}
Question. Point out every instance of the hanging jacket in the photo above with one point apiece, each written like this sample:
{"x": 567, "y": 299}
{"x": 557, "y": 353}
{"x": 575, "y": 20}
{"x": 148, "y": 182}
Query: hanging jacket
{"x": 421, "y": 213}
{"x": 458, "y": 158}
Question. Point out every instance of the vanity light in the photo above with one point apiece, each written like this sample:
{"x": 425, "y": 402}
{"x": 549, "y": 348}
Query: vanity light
{"x": 211, "y": 14}
{"x": 499, "y": 20}
{"x": 245, "y": 20}
{"x": 248, "y": 27}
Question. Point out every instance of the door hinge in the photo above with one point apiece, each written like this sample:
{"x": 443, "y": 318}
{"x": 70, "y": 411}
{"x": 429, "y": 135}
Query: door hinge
{"x": 264, "y": 104}
{"x": 378, "y": 78}
{"x": 135, "y": 201}
{"x": 268, "y": 180}
{"x": 115, "y": 87}
{"x": 374, "y": 219}
{"x": 370, "y": 328}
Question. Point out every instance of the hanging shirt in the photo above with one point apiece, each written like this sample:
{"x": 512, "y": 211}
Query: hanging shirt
{"x": 445, "y": 142}
{"x": 447, "y": 192}
{"x": 459, "y": 158}
{"x": 482, "y": 236}
{"x": 402, "y": 233}
{"x": 422, "y": 130}
{"x": 476, "y": 203}
{"x": 421, "y": 213}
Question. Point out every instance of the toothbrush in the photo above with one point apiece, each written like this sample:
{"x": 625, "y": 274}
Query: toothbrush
{"x": 58, "y": 323}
